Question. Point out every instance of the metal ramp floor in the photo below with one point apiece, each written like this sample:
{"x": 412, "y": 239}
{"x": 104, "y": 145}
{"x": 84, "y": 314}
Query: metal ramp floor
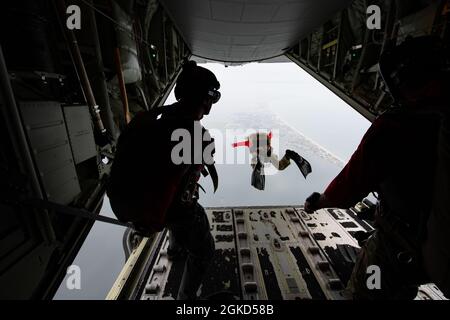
{"x": 271, "y": 253}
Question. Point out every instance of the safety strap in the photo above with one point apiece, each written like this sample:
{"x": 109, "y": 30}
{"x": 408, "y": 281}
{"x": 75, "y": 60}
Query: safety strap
{"x": 397, "y": 230}
{"x": 43, "y": 204}
{"x": 213, "y": 174}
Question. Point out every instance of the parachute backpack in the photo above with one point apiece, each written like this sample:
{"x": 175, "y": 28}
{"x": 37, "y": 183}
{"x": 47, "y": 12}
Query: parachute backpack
{"x": 145, "y": 182}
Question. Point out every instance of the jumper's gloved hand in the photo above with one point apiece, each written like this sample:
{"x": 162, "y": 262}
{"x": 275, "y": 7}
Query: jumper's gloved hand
{"x": 314, "y": 202}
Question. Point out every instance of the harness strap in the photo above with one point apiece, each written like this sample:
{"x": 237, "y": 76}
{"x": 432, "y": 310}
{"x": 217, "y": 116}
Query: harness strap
{"x": 78, "y": 212}
{"x": 397, "y": 230}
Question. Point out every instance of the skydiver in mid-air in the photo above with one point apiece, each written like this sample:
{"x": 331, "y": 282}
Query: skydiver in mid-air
{"x": 261, "y": 150}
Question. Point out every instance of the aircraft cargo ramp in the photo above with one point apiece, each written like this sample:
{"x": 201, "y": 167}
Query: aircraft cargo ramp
{"x": 267, "y": 253}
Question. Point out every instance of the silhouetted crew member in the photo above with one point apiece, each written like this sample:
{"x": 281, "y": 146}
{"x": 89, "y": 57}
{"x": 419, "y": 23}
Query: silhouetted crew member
{"x": 396, "y": 158}
{"x": 152, "y": 188}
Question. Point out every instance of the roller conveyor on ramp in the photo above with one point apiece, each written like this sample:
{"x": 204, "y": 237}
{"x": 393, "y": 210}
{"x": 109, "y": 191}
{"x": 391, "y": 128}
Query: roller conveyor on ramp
{"x": 269, "y": 253}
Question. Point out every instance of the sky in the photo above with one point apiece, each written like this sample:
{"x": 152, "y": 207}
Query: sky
{"x": 280, "y": 97}
{"x": 294, "y": 95}
{"x": 305, "y": 116}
